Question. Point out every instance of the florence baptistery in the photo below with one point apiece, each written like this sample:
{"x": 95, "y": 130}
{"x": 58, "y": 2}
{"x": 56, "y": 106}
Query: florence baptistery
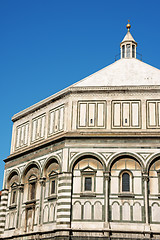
{"x": 85, "y": 162}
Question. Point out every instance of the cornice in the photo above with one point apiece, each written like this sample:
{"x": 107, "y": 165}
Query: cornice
{"x": 80, "y": 135}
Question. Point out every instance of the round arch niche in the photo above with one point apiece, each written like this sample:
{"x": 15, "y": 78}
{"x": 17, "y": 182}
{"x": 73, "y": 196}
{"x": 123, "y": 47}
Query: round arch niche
{"x": 120, "y": 158}
{"x": 85, "y": 156}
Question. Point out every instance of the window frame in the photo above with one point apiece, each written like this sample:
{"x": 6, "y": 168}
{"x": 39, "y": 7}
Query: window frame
{"x": 123, "y": 51}
{"x": 130, "y": 182}
{"x": 156, "y": 102}
{"x": 53, "y": 176}
{"x": 122, "y": 124}
{"x": 133, "y": 51}
{"x": 126, "y": 182}
{"x": 86, "y": 173}
{"x": 91, "y": 123}
{"x": 32, "y": 180}
{"x": 158, "y": 175}
{"x": 128, "y": 50}
{"x": 14, "y": 188}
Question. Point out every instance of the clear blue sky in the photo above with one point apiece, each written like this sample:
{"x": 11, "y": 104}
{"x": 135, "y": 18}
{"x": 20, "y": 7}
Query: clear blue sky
{"x": 48, "y": 45}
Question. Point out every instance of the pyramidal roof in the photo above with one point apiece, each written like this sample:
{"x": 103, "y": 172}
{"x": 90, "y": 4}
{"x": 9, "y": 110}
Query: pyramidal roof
{"x": 124, "y": 72}
{"x": 128, "y": 37}
{"x": 128, "y": 71}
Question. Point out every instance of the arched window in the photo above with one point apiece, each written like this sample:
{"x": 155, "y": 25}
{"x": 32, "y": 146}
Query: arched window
{"x": 154, "y": 182}
{"x": 133, "y": 51}
{"x": 51, "y": 171}
{"x": 88, "y": 177}
{"x": 125, "y": 182}
{"x": 123, "y": 51}
{"x": 12, "y": 185}
{"x": 128, "y": 47}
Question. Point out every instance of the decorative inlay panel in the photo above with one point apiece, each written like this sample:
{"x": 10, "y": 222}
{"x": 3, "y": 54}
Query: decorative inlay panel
{"x": 91, "y": 114}
{"x": 153, "y": 114}
{"x": 126, "y": 114}
{"x": 22, "y": 135}
{"x": 38, "y": 127}
{"x": 56, "y": 120}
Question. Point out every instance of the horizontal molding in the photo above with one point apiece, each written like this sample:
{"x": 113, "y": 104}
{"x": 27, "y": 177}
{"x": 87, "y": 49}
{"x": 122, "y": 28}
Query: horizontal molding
{"x": 2, "y": 221}
{"x": 4, "y": 199}
{"x": 65, "y": 184}
{"x": 63, "y": 219}
{"x": 64, "y": 197}
{"x": 65, "y": 215}
{"x": 4, "y": 196}
{"x": 64, "y": 203}
{"x": 96, "y": 134}
{"x": 64, "y": 188}
{"x": 64, "y": 193}
{"x": 62, "y": 222}
{"x": 2, "y": 211}
{"x": 4, "y": 204}
{"x": 64, "y": 210}
{"x": 65, "y": 179}
{"x": 65, "y": 206}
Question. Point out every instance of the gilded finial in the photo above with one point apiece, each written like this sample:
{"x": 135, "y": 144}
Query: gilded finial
{"x": 128, "y": 25}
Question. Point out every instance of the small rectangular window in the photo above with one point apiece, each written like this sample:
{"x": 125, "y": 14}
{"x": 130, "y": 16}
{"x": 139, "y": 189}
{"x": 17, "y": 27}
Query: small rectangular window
{"x": 32, "y": 190}
{"x": 123, "y": 51}
{"x": 133, "y": 51}
{"x": 13, "y": 197}
{"x": 88, "y": 184}
{"x": 53, "y": 187}
{"x": 128, "y": 51}
{"x": 125, "y": 182}
{"x": 158, "y": 175}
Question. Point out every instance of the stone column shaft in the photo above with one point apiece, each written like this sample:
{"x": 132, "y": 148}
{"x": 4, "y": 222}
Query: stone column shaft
{"x": 19, "y": 205}
{"x": 107, "y": 180}
{"x": 42, "y": 183}
{"x": 145, "y": 180}
{"x": 3, "y": 206}
{"x": 64, "y": 200}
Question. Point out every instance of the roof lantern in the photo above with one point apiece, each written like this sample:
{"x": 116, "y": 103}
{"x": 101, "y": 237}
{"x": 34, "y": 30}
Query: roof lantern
{"x": 128, "y": 45}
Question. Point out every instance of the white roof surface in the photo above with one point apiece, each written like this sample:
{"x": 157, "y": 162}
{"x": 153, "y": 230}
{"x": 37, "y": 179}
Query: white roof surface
{"x": 124, "y": 72}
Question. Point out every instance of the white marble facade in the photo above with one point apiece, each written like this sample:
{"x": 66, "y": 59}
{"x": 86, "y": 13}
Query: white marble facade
{"x": 87, "y": 159}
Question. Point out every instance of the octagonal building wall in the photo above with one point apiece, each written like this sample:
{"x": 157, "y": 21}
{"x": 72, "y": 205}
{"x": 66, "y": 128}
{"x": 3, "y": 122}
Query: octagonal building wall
{"x": 97, "y": 111}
